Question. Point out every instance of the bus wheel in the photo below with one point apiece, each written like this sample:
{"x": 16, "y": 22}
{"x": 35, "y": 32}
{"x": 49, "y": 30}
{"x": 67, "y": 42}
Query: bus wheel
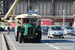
{"x": 38, "y": 38}
{"x": 20, "y": 37}
{"x": 16, "y": 37}
{"x": 39, "y": 41}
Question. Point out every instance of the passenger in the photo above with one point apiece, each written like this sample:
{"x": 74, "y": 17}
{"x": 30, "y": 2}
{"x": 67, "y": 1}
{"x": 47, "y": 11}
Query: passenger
{"x": 25, "y": 21}
{"x": 8, "y": 29}
{"x": 19, "y": 23}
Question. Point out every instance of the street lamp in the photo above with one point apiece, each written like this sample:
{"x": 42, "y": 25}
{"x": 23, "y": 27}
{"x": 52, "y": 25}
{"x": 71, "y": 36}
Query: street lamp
{"x": 28, "y": 5}
{"x": 63, "y": 19}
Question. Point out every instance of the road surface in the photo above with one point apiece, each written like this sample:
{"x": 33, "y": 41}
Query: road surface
{"x": 68, "y": 43}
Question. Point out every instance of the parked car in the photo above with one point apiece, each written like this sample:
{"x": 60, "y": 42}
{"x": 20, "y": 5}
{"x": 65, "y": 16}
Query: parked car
{"x": 55, "y": 31}
{"x": 69, "y": 30}
{"x": 44, "y": 29}
{"x": 1, "y": 29}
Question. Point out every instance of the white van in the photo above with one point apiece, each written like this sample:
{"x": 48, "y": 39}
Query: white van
{"x": 55, "y": 31}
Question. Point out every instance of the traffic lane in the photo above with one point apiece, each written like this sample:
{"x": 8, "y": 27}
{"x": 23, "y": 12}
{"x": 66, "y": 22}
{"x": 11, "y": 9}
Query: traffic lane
{"x": 29, "y": 45}
{"x": 66, "y": 39}
{"x": 68, "y": 43}
{"x": 46, "y": 43}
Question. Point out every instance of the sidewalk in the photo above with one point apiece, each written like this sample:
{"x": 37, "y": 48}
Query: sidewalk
{"x": 1, "y": 48}
{"x": 2, "y": 43}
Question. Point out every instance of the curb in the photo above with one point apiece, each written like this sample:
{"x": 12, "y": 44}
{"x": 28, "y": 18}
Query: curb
{"x": 11, "y": 46}
{"x": 3, "y": 43}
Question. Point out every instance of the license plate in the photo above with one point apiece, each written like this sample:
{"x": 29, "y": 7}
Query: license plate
{"x": 57, "y": 34}
{"x": 30, "y": 37}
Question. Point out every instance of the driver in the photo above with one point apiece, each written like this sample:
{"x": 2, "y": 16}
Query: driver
{"x": 25, "y": 21}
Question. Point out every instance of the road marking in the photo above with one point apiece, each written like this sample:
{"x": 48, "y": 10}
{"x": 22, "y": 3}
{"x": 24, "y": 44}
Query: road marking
{"x": 3, "y": 43}
{"x": 11, "y": 42}
{"x": 52, "y": 46}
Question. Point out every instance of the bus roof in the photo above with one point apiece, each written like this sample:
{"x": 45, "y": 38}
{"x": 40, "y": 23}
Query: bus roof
{"x": 28, "y": 16}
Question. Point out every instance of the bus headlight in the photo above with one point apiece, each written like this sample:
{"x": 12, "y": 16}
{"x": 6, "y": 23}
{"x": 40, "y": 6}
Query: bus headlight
{"x": 23, "y": 33}
{"x": 36, "y": 33}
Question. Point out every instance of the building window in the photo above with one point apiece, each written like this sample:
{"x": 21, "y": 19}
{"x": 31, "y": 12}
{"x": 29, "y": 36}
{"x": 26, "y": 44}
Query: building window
{"x": 1, "y": 7}
{"x": 64, "y": 5}
{"x": 43, "y": 7}
{"x": 20, "y": 8}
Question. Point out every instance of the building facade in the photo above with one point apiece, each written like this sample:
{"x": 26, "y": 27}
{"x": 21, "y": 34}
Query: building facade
{"x": 48, "y": 9}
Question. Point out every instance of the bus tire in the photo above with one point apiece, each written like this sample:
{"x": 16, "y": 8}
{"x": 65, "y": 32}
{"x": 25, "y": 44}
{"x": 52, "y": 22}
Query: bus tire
{"x": 39, "y": 37}
{"x": 20, "y": 38}
{"x": 16, "y": 37}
